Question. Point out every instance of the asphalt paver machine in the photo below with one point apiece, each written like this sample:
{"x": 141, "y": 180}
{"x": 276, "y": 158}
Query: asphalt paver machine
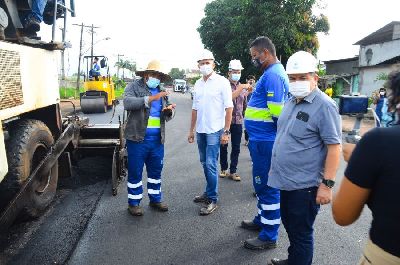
{"x": 37, "y": 144}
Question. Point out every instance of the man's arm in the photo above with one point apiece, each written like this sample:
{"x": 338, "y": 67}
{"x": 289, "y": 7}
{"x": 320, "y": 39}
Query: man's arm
{"x": 228, "y": 118}
{"x": 324, "y": 194}
{"x": 192, "y": 126}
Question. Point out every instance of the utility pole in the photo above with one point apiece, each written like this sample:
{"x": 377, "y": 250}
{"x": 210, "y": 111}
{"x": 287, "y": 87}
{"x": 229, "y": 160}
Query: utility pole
{"x": 80, "y": 53}
{"x": 118, "y": 64}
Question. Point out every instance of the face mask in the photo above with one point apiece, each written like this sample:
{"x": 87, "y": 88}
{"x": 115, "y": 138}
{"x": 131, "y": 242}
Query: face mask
{"x": 206, "y": 69}
{"x": 235, "y": 77}
{"x": 300, "y": 89}
{"x": 382, "y": 93}
{"x": 153, "y": 82}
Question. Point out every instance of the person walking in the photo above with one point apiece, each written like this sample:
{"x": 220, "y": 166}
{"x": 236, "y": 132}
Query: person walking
{"x": 211, "y": 119}
{"x": 261, "y": 115}
{"x": 305, "y": 156}
{"x": 239, "y": 94}
{"x": 148, "y": 110}
{"x": 372, "y": 178}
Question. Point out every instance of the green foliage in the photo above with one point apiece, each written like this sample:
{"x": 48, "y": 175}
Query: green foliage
{"x": 382, "y": 77}
{"x": 176, "y": 73}
{"x": 69, "y": 92}
{"x": 192, "y": 81}
{"x": 119, "y": 83}
{"x": 125, "y": 64}
{"x": 230, "y": 25}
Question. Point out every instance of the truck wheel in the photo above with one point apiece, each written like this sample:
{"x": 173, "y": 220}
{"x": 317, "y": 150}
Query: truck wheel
{"x": 29, "y": 142}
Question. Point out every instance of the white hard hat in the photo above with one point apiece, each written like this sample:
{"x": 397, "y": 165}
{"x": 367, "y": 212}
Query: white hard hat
{"x": 235, "y": 65}
{"x": 206, "y": 55}
{"x": 301, "y": 63}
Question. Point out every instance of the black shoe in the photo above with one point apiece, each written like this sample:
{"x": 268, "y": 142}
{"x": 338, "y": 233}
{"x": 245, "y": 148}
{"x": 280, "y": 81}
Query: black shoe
{"x": 209, "y": 208}
{"x": 250, "y": 225}
{"x": 279, "y": 262}
{"x": 201, "y": 198}
{"x": 135, "y": 210}
{"x": 32, "y": 24}
{"x": 257, "y": 244}
{"x": 160, "y": 206}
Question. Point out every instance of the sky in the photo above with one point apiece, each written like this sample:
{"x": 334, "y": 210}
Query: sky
{"x": 143, "y": 30}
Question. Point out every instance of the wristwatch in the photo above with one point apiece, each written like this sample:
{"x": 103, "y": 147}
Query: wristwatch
{"x": 227, "y": 132}
{"x": 329, "y": 183}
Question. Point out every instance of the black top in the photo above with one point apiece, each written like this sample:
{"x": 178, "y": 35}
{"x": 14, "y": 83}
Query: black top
{"x": 375, "y": 165}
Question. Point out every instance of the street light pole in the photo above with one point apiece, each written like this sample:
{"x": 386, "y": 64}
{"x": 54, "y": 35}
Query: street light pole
{"x": 91, "y": 50}
{"x": 79, "y": 63}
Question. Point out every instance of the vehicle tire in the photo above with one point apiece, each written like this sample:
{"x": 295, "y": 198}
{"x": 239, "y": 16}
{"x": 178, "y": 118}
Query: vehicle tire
{"x": 29, "y": 143}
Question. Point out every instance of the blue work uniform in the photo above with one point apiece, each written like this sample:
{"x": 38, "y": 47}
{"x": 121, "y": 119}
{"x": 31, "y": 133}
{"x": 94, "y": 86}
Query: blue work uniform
{"x": 95, "y": 71}
{"x": 150, "y": 152}
{"x": 261, "y": 116}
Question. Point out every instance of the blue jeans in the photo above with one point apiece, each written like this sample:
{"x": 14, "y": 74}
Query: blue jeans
{"x": 38, "y": 8}
{"x": 236, "y": 138}
{"x": 208, "y": 145}
{"x": 268, "y": 198}
{"x": 150, "y": 153}
{"x": 299, "y": 210}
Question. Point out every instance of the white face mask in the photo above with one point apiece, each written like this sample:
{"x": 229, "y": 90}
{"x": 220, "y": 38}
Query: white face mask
{"x": 206, "y": 69}
{"x": 300, "y": 89}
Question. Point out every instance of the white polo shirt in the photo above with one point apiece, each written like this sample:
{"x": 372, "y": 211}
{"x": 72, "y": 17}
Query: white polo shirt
{"x": 211, "y": 98}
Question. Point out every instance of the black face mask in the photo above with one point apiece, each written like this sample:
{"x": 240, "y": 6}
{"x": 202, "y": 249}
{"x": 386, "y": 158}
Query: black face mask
{"x": 257, "y": 63}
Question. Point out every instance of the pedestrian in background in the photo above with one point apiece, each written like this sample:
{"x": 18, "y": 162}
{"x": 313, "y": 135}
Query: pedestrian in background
{"x": 239, "y": 93}
{"x": 211, "y": 118}
{"x": 261, "y": 115}
{"x": 251, "y": 80}
{"x": 148, "y": 110}
{"x": 305, "y": 157}
{"x": 380, "y": 101}
{"x": 372, "y": 178}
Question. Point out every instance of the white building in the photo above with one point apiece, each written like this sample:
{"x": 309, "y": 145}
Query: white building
{"x": 379, "y": 55}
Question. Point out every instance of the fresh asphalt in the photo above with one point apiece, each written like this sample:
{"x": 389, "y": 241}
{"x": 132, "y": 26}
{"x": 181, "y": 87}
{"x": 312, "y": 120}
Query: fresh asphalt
{"x": 87, "y": 225}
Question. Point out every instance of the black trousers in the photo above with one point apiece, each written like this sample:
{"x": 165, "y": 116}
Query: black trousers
{"x": 236, "y": 138}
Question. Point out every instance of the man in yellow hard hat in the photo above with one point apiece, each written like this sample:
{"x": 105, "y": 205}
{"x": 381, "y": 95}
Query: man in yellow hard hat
{"x": 148, "y": 110}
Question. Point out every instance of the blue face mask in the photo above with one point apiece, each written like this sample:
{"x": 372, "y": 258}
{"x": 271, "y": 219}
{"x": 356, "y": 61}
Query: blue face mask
{"x": 235, "y": 77}
{"x": 153, "y": 82}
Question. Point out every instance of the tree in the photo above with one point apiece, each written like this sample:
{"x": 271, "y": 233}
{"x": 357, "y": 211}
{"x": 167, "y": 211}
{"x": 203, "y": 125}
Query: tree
{"x": 125, "y": 64}
{"x": 290, "y": 24}
{"x": 176, "y": 73}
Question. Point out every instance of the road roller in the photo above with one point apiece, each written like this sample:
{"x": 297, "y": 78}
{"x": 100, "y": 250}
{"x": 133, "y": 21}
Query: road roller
{"x": 99, "y": 89}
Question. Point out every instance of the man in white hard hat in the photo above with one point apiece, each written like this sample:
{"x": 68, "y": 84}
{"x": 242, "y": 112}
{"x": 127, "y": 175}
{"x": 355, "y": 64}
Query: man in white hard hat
{"x": 211, "y": 118}
{"x": 305, "y": 156}
{"x": 148, "y": 110}
{"x": 239, "y": 93}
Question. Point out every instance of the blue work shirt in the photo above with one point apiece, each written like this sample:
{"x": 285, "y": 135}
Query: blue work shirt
{"x": 304, "y": 131}
{"x": 153, "y": 130}
{"x": 266, "y": 103}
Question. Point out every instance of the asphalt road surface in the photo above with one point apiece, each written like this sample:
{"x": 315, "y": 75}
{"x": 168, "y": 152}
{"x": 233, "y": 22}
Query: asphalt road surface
{"x": 87, "y": 225}
{"x": 181, "y": 236}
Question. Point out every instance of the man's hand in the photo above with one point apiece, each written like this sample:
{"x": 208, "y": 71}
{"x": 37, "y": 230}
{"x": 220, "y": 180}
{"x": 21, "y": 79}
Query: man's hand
{"x": 347, "y": 151}
{"x": 158, "y": 96}
{"x": 191, "y": 137}
{"x": 324, "y": 194}
{"x": 171, "y": 107}
{"x": 224, "y": 138}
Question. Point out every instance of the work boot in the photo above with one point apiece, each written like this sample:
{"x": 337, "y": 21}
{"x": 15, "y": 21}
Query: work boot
{"x": 223, "y": 174}
{"x": 250, "y": 225}
{"x": 279, "y": 262}
{"x": 200, "y": 198}
{"x": 257, "y": 244}
{"x": 135, "y": 210}
{"x": 234, "y": 176}
{"x": 209, "y": 208}
{"x": 160, "y": 206}
{"x": 31, "y": 24}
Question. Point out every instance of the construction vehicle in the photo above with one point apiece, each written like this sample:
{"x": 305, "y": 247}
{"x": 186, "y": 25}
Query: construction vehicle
{"x": 99, "y": 94}
{"x": 37, "y": 144}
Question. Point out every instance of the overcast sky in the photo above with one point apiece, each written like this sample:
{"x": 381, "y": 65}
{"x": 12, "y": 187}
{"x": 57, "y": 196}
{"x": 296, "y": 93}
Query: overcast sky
{"x": 166, "y": 30}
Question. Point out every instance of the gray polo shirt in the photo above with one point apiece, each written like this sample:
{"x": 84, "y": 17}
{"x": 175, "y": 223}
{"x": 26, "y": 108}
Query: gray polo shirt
{"x": 304, "y": 130}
